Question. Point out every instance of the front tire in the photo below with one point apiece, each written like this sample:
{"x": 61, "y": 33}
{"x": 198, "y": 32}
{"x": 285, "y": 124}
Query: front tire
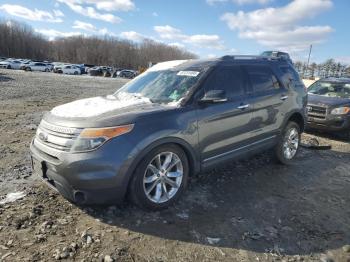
{"x": 288, "y": 145}
{"x": 160, "y": 178}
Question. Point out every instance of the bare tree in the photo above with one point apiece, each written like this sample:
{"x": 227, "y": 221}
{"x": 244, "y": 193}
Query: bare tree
{"x": 21, "y": 41}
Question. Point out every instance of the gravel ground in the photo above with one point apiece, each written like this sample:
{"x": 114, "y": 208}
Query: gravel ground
{"x": 252, "y": 210}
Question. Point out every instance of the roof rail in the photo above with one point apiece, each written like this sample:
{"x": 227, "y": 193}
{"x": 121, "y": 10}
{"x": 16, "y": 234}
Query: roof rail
{"x": 249, "y": 57}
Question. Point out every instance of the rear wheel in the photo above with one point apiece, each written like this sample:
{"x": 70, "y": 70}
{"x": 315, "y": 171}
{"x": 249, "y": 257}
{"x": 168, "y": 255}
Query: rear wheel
{"x": 8, "y": 67}
{"x": 288, "y": 146}
{"x": 160, "y": 178}
{"x": 75, "y": 72}
{"x": 28, "y": 69}
{"x": 47, "y": 70}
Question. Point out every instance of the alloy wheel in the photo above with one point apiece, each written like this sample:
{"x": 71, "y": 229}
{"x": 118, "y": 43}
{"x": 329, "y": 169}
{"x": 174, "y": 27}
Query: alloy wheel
{"x": 163, "y": 177}
{"x": 291, "y": 143}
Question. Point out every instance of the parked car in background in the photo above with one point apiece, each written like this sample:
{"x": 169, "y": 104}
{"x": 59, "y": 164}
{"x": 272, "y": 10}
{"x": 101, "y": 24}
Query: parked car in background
{"x": 42, "y": 67}
{"x": 100, "y": 71}
{"x": 87, "y": 67}
{"x": 125, "y": 73}
{"x": 280, "y": 54}
{"x": 329, "y": 105}
{"x": 50, "y": 66}
{"x": 10, "y": 64}
{"x": 24, "y": 64}
{"x": 69, "y": 70}
{"x": 176, "y": 119}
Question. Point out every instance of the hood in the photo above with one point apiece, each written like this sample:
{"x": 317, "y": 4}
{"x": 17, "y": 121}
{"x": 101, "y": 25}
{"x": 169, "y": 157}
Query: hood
{"x": 96, "y": 106}
{"x": 103, "y": 111}
{"x": 327, "y": 100}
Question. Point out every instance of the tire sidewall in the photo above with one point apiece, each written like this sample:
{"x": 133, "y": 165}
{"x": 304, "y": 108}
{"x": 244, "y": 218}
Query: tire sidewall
{"x": 279, "y": 148}
{"x": 137, "y": 193}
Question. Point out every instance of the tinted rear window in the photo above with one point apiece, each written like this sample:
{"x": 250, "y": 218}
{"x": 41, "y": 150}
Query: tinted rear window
{"x": 262, "y": 78}
{"x": 290, "y": 76}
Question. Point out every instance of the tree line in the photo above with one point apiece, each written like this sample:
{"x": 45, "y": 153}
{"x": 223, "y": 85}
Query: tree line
{"x": 330, "y": 68}
{"x": 18, "y": 40}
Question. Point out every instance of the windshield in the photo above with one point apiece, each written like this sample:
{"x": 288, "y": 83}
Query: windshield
{"x": 332, "y": 89}
{"x": 164, "y": 86}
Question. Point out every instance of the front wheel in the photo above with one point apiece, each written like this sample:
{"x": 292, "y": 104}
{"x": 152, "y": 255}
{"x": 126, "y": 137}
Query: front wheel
{"x": 160, "y": 178}
{"x": 288, "y": 146}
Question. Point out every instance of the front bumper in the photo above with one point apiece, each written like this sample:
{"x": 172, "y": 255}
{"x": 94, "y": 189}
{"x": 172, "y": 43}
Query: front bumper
{"x": 97, "y": 177}
{"x": 333, "y": 123}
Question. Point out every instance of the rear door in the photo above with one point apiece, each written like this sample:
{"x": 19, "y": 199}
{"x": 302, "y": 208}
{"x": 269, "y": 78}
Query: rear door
{"x": 224, "y": 127}
{"x": 269, "y": 97}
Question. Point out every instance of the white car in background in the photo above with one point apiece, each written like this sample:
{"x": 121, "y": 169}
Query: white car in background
{"x": 10, "y": 64}
{"x": 37, "y": 66}
{"x": 69, "y": 70}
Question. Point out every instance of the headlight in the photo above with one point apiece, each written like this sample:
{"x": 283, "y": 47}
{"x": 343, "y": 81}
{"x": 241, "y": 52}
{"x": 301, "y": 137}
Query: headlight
{"x": 340, "y": 110}
{"x": 92, "y": 138}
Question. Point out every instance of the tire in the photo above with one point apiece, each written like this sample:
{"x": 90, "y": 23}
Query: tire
{"x": 47, "y": 70}
{"x": 153, "y": 200}
{"x": 75, "y": 72}
{"x": 28, "y": 69}
{"x": 8, "y": 67}
{"x": 288, "y": 145}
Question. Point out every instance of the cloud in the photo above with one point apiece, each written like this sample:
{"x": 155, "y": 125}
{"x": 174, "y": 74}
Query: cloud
{"x": 177, "y": 45}
{"x": 280, "y": 27}
{"x": 33, "y": 15}
{"x": 58, "y": 13}
{"x": 84, "y": 26}
{"x": 243, "y": 2}
{"x": 133, "y": 36}
{"x": 111, "y": 5}
{"x": 200, "y": 40}
{"x": 239, "y": 2}
{"x": 51, "y": 34}
{"x": 91, "y": 28}
{"x": 90, "y": 11}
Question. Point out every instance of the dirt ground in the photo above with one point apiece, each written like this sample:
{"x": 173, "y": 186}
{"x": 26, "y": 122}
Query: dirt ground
{"x": 252, "y": 210}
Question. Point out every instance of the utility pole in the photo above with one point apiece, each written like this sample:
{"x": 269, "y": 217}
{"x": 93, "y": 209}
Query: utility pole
{"x": 308, "y": 59}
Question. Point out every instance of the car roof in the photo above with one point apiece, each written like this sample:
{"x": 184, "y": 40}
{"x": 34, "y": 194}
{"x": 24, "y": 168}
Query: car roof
{"x": 225, "y": 60}
{"x": 335, "y": 79}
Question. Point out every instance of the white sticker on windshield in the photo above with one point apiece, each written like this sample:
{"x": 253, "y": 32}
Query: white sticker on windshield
{"x": 188, "y": 73}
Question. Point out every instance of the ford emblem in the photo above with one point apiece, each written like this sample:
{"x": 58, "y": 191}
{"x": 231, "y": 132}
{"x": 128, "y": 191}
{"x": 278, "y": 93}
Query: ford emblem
{"x": 43, "y": 136}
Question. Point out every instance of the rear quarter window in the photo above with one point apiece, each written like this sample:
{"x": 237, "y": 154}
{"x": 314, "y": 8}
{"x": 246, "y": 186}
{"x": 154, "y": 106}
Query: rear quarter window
{"x": 262, "y": 78}
{"x": 290, "y": 77}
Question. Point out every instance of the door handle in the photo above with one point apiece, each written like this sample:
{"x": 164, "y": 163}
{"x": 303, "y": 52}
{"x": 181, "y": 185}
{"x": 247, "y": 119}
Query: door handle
{"x": 243, "y": 106}
{"x": 284, "y": 97}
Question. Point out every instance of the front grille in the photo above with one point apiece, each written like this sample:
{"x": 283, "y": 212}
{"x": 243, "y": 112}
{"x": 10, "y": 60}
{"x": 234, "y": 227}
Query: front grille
{"x": 317, "y": 111}
{"x": 52, "y": 139}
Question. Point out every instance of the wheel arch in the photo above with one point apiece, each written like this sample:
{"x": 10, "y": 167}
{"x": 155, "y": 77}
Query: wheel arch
{"x": 296, "y": 117}
{"x": 188, "y": 150}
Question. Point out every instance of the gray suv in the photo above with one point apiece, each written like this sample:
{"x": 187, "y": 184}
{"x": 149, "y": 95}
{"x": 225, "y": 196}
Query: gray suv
{"x": 177, "y": 119}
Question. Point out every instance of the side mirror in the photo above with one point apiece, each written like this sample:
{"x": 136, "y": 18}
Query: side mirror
{"x": 214, "y": 96}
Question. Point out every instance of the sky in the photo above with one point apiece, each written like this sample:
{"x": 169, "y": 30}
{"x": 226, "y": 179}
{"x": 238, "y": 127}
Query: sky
{"x": 208, "y": 28}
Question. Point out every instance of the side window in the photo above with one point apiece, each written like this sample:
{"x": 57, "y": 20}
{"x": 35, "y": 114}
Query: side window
{"x": 262, "y": 78}
{"x": 290, "y": 76}
{"x": 228, "y": 78}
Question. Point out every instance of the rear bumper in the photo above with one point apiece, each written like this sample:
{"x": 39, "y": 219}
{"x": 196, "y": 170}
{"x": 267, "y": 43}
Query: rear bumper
{"x": 86, "y": 178}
